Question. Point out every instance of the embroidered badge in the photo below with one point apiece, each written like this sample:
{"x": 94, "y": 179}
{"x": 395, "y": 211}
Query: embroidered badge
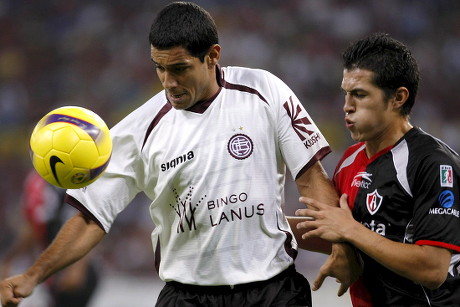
{"x": 240, "y": 146}
{"x": 446, "y": 176}
{"x": 373, "y": 202}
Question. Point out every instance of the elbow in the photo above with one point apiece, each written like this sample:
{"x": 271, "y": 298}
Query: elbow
{"x": 434, "y": 280}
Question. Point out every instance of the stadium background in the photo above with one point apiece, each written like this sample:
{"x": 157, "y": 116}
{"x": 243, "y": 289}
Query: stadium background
{"x": 95, "y": 54}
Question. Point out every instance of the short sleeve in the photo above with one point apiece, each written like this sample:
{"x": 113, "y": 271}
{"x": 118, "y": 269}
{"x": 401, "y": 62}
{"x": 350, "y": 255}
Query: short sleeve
{"x": 436, "y": 202}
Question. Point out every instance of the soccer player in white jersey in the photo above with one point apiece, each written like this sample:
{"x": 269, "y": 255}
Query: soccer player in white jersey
{"x": 211, "y": 152}
{"x": 401, "y": 184}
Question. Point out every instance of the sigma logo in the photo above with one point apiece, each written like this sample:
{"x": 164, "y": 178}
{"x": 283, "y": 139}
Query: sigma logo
{"x": 373, "y": 202}
{"x": 240, "y": 146}
{"x": 446, "y": 176}
{"x": 362, "y": 180}
{"x": 177, "y": 161}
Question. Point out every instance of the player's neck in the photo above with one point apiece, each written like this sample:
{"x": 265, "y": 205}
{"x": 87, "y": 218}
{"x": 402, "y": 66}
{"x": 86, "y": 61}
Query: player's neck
{"x": 388, "y": 138}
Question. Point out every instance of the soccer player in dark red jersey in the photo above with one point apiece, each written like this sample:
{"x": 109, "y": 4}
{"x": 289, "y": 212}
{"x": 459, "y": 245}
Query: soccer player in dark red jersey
{"x": 399, "y": 185}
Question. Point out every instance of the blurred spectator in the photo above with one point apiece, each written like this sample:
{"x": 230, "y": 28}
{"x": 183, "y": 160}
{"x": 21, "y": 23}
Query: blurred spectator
{"x": 44, "y": 212}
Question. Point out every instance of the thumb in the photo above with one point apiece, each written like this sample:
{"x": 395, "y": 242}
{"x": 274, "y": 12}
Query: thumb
{"x": 318, "y": 281}
{"x": 342, "y": 289}
{"x": 344, "y": 202}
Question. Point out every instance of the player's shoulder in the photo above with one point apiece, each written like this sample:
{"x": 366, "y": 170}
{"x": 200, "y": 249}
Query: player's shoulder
{"x": 262, "y": 82}
{"x": 251, "y": 77}
{"x": 144, "y": 114}
{"x": 425, "y": 147}
{"x": 353, "y": 150}
{"x": 349, "y": 156}
{"x": 239, "y": 72}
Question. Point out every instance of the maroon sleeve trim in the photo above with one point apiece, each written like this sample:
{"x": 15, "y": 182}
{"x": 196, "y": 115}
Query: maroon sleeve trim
{"x": 78, "y": 205}
{"x": 439, "y": 244}
{"x": 317, "y": 157}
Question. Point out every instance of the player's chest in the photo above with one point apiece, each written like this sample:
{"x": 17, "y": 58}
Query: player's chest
{"x": 381, "y": 203}
{"x": 217, "y": 136}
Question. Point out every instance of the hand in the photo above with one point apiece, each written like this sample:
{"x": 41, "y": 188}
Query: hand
{"x": 14, "y": 289}
{"x": 333, "y": 224}
{"x": 328, "y": 222}
{"x": 343, "y": 264}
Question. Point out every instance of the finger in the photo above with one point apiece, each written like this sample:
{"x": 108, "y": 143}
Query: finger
{"x": 305, "y": 212}
{"x": 309, "y": 234}
{"x": 318, "y": 281}
{"x": 310, "y": 202}
{"x": 342, "y": 290}
{"x": 12, "y": 302}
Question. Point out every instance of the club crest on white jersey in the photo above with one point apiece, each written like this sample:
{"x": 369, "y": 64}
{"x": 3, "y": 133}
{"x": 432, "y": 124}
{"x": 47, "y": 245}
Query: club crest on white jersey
{"x": 240, "y": 146}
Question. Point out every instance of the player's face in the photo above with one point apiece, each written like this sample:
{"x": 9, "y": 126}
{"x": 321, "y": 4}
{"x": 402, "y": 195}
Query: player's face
{"x": 368, "y": 114}
{"x": 185, "y": 78}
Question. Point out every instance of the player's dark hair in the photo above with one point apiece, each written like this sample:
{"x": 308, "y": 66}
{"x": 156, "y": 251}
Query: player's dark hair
{"x": 184, "y": 24}
{"x": 391, "y": 62}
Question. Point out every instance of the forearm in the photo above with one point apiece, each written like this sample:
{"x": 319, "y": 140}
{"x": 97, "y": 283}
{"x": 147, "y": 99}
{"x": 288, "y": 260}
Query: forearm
{"x": 75, "y": 239}
{"x": 425, "y": 265}
{"x": 314, "y": 183}
{"x": 312, "y": 244}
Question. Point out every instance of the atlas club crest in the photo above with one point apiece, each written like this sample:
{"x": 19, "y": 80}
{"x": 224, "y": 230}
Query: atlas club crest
{"x": 373, "y": 202}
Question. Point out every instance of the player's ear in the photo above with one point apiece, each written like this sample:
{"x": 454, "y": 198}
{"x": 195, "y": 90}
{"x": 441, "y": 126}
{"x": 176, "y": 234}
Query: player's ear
{"x": 400, "y": 97}
{"x": 213, "y": 55}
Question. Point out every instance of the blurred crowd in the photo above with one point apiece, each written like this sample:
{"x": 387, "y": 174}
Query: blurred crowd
{"x": 96, "y": 54}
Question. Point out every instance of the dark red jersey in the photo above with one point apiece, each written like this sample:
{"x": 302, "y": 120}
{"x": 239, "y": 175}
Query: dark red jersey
{"x": 408, "y": 193}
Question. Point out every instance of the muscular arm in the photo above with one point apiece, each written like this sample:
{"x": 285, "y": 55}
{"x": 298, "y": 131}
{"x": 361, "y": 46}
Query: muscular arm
{"x": 425, "y": 265}
{"x": 342, "y": 264}
{"x": 314, "y": 183}
{"x": 75, "y": 239}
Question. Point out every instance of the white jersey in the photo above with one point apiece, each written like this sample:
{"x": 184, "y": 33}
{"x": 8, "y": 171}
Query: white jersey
{"x": 215, "y": 174}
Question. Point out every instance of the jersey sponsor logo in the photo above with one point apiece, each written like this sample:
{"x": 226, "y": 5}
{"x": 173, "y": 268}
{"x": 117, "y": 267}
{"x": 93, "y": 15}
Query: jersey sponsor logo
{"x": 373, "y": 202}
{"x": 447, "y": 200}
{"x": 222, "y": 210}
{"x": 185, "y": 209}
{"x": 312, "y": 140}
{"x": 240, "y": 146}
{"x": 299, "y": 119}
{"x": 362, "y": 180}
{"x": 232, "y": 208}
{"x": 446, "y": 176}
{"x": 176, "y": 161}
{"x": 379, "y": 228}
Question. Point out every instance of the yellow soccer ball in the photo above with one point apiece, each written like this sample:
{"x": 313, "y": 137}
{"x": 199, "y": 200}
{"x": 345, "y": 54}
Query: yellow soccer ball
{"x": 71, "y": 147}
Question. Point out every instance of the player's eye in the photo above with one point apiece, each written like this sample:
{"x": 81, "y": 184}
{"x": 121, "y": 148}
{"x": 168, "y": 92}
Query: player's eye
{"x": 179, "y": 69}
